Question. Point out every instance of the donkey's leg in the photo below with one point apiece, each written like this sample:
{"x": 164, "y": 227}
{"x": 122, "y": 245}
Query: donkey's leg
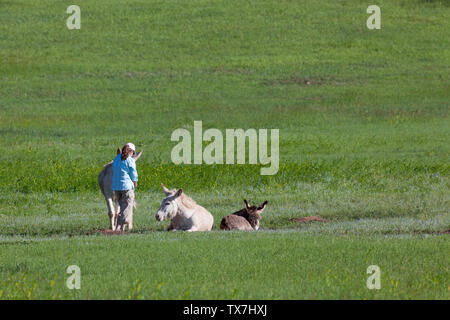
{"x": 111, "y": 213}
{"x": 117, "y": 213}
{"x": 131, "y": 203}
{"x": 130, "y": 219}
{"x": 130, "y": 223}
{"x": 171, "y": 227}
{"x": 192, "y": 229}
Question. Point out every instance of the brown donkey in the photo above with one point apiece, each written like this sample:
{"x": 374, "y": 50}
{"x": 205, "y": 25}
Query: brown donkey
{"x": 245, "y": 219}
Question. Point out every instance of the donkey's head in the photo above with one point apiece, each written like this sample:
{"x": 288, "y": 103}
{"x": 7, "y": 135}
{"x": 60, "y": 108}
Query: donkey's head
{"x": 254, "y": 213}
{"x": 135, "y": 155}
{"x": 169, "y": 205}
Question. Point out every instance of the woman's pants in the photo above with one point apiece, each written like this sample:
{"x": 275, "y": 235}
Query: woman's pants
{"x": 126, "y": 202}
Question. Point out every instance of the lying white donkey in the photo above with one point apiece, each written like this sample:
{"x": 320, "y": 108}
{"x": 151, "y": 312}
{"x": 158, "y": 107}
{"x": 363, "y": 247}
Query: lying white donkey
{"x": 185, "y": 213}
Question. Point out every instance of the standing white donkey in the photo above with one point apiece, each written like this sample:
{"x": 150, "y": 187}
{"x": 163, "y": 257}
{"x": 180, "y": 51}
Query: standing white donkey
{"x": 105, "y": 183}
{"x": 185, "y": 213}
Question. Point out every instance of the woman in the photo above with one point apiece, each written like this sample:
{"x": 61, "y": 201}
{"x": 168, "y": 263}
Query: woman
{"x": 124, "y": 182}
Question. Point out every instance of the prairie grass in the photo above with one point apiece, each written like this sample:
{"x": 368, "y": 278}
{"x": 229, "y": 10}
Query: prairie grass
{"x": 364, "y": 143}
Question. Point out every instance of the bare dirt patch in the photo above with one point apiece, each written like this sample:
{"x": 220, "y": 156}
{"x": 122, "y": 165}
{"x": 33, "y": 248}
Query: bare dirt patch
{"x": 430, "y": 233}
{"x": 109, "y": 232}
{"x": 308, "y": 219}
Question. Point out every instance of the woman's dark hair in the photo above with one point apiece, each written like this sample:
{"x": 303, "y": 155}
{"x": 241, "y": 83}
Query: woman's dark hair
{"x": 125, "y": 152}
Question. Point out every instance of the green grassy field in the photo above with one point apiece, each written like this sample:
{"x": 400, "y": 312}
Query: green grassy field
{"x": 364, "y": 142}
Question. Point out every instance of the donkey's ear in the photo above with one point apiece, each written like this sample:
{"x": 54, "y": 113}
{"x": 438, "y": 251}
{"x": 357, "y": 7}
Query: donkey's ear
{"x": 179, "y": 192}
{"x": 166, "y": 191}
{"x": 137, "y": 156}
{"x": 263, "y": 206}
{"x": 246, "y": 204}
{"x": 118, "y": 151}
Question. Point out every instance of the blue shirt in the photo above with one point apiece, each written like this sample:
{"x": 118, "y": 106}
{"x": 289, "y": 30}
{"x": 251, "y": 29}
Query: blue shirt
{"x": 124, "y": 173}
